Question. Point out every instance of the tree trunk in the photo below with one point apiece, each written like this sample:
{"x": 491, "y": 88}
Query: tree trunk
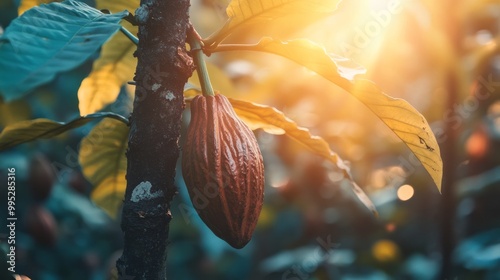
{"x": 163, "y": 68}
{"x": 449, "y": 148}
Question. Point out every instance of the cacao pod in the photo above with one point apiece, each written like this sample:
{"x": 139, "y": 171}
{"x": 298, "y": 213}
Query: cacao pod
{"x": 223, "y": 169}
{"x": 41, "y": 225}
{"x": 78, "y": 183}
{"x": 41, "y": 177}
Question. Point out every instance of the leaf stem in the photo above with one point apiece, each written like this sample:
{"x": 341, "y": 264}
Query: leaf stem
{"x": 110, "y": 115}
{"x": 195, "y": 42}
{"x": 218, "y": 36}
{"x": 231, "y": 47}
{"x": 129, "y": 35}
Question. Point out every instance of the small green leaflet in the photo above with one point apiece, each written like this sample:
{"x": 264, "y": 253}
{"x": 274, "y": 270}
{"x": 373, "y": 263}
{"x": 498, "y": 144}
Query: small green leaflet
{"x": 50, "y": 39}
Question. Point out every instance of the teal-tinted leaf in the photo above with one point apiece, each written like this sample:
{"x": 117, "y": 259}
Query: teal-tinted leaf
{"x": 25, "y": 131}
{"x": 49, "y": 39}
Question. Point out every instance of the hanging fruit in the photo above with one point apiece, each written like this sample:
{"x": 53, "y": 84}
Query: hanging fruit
{"x": 223, "y": 169}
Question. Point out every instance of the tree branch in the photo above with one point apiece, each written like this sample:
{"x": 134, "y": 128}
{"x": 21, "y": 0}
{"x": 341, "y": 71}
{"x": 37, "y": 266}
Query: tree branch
{"x": 163, "y": 68}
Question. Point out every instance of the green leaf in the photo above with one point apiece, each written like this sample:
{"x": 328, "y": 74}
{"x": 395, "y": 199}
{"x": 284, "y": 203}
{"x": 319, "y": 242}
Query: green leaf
{"x": 104, "y": 164}
{"x": 244, "y": 13}
{"x": 113, "y": 68}
{"x": 25, "y": 131}
{"x": 50, "y": 39}
{"x": 404, "y": 120}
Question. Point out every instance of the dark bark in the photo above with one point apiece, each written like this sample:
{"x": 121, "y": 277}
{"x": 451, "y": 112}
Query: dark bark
{"x": 449, "y": 148}
{"x": 448, "y": 199}
{"x": 163, "y": 68}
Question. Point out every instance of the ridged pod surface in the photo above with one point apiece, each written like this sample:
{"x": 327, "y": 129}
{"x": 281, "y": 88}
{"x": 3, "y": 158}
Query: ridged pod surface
{"x": 223, "y": 169}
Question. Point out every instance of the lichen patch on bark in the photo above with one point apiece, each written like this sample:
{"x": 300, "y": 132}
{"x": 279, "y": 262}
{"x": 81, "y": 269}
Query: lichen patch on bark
{"x": 143, "y": 191}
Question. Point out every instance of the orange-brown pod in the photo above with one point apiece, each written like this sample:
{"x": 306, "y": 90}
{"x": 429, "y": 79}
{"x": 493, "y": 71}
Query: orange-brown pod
{"x": 223, "y": 169}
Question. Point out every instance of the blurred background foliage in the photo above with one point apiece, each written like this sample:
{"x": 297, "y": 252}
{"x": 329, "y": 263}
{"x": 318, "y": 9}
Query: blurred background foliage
{"x": 311, "y": 226}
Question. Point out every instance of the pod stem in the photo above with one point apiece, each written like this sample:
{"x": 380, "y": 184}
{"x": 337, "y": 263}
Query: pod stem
{"x": 195, "y": 43}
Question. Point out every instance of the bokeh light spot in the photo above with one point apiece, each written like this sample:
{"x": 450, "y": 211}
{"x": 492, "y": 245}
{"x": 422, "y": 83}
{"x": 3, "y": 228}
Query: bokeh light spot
{"x": 390, "y": 227}
{"x": 483, "y": 37}
{"x": 385, "y": 251}
{"x": 405, "y": 192}
{"x": 477, "y": 144}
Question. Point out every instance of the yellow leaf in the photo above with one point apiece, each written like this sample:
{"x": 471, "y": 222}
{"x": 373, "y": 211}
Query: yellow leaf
{"x": 113, "y": 68}
{"x": 190, "y": 93}
{"x": 25, "y": 131}
{"x": 104, "y": 164}
{"x": 218, "y": 78}
{"x": 404, "y": 120}
{"x": 109, "y": 194}
{"x": 275, "y": 122}
{"x": 13, "y": 112}
{"x": 28, "y": 4}
{"x": 337, "y": 69}
{"x": 407, "y": 123}
{"x": 243, "y": 13}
